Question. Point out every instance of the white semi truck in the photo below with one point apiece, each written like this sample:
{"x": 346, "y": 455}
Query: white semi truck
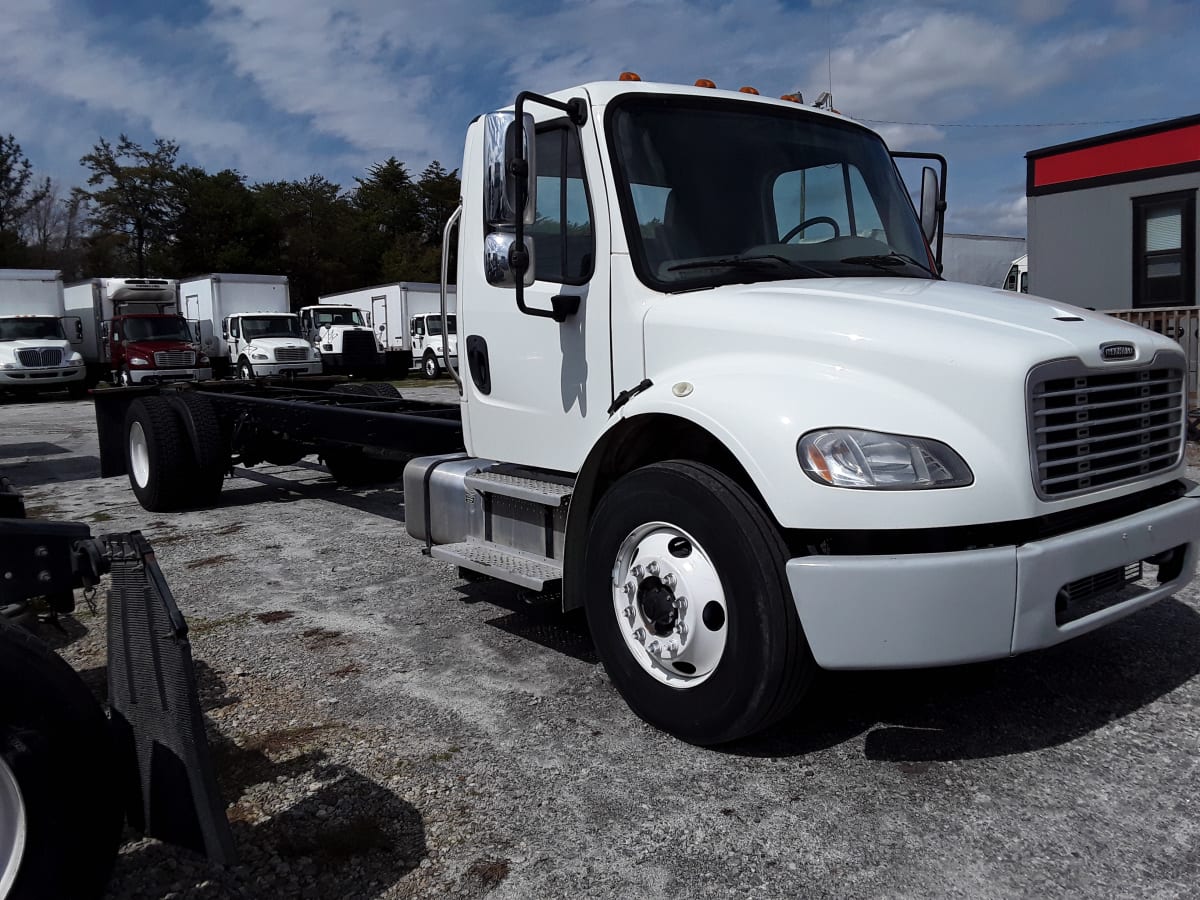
{"x": 36, "y": 335}
{"x": 406, "y": 317}
{"x": 716, "y": 394}
{"x": 245, "y": 325}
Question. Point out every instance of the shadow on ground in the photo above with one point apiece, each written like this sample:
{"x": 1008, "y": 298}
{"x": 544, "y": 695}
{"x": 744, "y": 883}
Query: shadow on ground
{"x": 1030, "y": 702}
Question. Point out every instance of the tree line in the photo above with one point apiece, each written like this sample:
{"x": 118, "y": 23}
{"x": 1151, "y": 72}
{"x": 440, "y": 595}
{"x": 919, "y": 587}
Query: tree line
{"x": 145, "y": 213}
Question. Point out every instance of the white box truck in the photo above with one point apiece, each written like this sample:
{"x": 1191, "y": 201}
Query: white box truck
{"x": 406, "y": 318}
{"x": 36, "y": 335}
{"x": 344, "y": 337}
{"x": 245, "y": 325}
{"x": 133, "y": 333}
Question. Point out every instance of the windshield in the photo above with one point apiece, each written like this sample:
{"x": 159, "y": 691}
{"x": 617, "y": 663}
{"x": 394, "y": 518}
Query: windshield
{"x": 31, "y": 329}
{"x": 270, "y": 326}
{"x": 339, "y": 317}
{"x": 165, "y": 328}
{"x": 434, "y": 324}
{"x": 717, "y": 191}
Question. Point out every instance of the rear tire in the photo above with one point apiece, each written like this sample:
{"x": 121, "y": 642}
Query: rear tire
{"x": 157, "y": 455}
{"x": 211, "y": 451}
{"x": 737, "y": 631}
{"x": 429, "y": 366}
{"x": 384, "y": 390}
{"x": 72, "y": 814}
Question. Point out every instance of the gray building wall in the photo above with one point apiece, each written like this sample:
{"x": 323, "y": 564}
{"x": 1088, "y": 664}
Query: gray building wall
{"x": 1081, "y": 241}
{"x": 979, "y": 258}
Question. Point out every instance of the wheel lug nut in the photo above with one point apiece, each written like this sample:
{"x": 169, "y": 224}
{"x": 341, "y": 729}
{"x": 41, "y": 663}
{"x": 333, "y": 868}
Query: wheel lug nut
{"x": 655, "y": 648}
{"x": 629, "y": 613}
{"x": 682, "y": 631}
{"x": 669, "y": 579}
{"x": 640, "y": 635}
{"x": 652, "y": 568}
{"x": 681, "y": 605}
{"x": 630, "y": 588}
{"x": 637, "y": 572}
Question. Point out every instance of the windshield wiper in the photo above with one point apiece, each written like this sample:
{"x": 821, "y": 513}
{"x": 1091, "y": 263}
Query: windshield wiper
{"x": 887, "y": 261}
{"x": 759, "y": 261}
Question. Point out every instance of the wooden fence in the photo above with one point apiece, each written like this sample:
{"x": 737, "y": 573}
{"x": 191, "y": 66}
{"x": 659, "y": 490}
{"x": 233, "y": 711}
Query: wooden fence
{"x": 1180, "y": 323}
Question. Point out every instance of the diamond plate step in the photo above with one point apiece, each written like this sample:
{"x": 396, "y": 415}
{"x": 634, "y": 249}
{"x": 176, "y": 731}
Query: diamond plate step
{"x": 547, "y": 493}
{"x": 535, "y": 573}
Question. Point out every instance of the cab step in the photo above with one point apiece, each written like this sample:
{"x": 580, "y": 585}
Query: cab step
{"x": 537, "y": 573}
{"x": 518, "y": 487}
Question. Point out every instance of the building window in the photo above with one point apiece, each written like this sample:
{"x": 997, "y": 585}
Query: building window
{"x": 1164, "y": 250}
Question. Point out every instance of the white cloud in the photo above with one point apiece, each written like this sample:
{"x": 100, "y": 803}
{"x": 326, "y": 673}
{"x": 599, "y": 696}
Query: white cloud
{"x": 1007, "y": 216}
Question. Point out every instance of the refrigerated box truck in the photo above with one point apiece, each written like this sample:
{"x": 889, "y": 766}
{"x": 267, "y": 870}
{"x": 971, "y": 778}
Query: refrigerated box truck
{"x": 406, "y": 318}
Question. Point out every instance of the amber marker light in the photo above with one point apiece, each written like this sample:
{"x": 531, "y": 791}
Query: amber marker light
{"x": 792, "y": 98}
{"x": 630, "y": 76}
{"x": 748, "y": 90}
{"x": 704, "y": 82}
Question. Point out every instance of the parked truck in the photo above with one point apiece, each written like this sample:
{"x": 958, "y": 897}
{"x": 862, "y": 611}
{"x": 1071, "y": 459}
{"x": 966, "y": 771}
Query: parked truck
{"x": 344, "y": 338}
{"x": 244, "y": 324}
{"x": 133, "y": 333}
{"x": 406, "y": 317}
{"x": 715, "y": 394}
{"x": 1018, "y": 275}
{"x": 36, "y": 335}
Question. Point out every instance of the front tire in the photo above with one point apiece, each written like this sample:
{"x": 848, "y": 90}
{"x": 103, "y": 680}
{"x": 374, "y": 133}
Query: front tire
{"x": 245, "y": 371}
{"x": 429, "y": 366}
{"x": 62, "y": 839}
{"x": 689, "y": 606}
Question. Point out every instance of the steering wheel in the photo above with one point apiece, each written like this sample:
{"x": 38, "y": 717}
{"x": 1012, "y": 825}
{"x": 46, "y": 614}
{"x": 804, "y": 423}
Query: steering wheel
{"x": 815, "y": 220}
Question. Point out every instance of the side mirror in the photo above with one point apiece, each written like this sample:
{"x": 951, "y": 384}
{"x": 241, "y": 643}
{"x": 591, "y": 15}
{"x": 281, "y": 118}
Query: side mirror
{"x": 67, "y": 322}
{"x": 105, "y": 328}
{"x": 502, "y": 172}
{"x": 225, "y": 330}
{"x": 930, "y": 203}
{"x": 503, "y": 260}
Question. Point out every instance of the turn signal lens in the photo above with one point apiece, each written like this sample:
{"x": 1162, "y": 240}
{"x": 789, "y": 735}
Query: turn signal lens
{"x": 704, "y": 82}
{"x": 792, "y": 98}
{"x": 630, "y": 76}
{"x": 748, "y": 90}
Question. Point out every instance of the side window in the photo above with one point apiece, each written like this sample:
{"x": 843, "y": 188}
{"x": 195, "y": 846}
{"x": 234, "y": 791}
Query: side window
{"x": 418, "y": 326}
{"x": 1010, "y": 283}
{"x": 1164, "y": 249}
{"x": 235, "y": 327}
{"x": 563, "y": 244}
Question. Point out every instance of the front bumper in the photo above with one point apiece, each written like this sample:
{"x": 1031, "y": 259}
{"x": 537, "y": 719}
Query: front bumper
{"x": 268, "y": 369}
{"x": 168, "y": 376}
{"x": 47, "y": 379}
{"x": 932, "y": 609}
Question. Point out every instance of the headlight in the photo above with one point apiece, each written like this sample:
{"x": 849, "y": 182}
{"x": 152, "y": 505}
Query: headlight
{"x": 202, "y": 360}
{"x": 75, "y": 360}
{"x": 138, "y": 361}
{"x": 844, "y": 457}
{"x": 259, "y": 356}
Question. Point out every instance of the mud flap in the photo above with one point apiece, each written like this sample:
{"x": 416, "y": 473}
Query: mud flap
{"x": 158, "y": 725}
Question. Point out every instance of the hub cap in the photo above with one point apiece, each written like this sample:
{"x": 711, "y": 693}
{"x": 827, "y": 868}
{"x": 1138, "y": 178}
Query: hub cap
{"x": 139, "y": 455}
{"x": 12, "y": 828}
{"x": 669, "y": 604}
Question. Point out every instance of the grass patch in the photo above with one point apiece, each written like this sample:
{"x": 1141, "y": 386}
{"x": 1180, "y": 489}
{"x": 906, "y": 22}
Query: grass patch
{"x": 209, "y": 561}
{"x": 98, "y": 517}
{"x": 202, "y": 626}
{"x": 285, "y": 739}
{"x": 447, "y": 754}
{"x": 319, "y": 638}
{"x": 275, "y": 615}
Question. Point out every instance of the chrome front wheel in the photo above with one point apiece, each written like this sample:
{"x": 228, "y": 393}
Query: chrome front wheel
{"x": 12, "y": 828}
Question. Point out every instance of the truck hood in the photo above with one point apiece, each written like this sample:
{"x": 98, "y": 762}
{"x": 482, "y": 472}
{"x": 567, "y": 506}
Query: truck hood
{"x": 158, "y": 346}
{"x": 38, "y": 342}
{"x": 760, "y": 365}
{"x": 878, "y": 322}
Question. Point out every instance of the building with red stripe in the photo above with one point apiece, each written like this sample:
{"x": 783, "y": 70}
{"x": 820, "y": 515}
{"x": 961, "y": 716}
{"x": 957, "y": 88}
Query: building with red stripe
{"x": 1112, "y": 219}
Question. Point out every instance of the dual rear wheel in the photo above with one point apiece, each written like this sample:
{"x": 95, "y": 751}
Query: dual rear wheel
{"x": 173, "y": 465}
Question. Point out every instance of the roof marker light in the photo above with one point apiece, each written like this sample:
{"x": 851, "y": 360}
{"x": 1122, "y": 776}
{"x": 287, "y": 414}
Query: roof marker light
{"x": 704, "y": 82}
{"x": 793, "y": 98}
{"x": 748, "y": 90}
{"x": 630, "y": 76}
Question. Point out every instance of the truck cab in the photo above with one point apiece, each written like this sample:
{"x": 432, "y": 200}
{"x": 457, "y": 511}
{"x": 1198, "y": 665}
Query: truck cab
{"x": 430, "y": 348}
{"x": 152, "y": 348}
{"x": 343, "y": 336}
{"x": 1018, "y": 275}
{"x": 263, "y": 344}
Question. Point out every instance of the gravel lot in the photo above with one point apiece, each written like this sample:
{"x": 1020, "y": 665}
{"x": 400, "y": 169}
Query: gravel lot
{"x": 382, "y": 729}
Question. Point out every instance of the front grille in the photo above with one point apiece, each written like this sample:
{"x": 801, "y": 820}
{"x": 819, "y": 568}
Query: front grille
{"x": 1090, "y": 429}
{"x": 358, "y": 346}
{"x": 291, "y": 354}
{"x": 175, "y": 359}
{"x": 1095, "y": 592}
{"x": 34, "y": 357}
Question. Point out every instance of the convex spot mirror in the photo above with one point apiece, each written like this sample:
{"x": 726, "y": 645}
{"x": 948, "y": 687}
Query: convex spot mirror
{"x": 504, "y": 177}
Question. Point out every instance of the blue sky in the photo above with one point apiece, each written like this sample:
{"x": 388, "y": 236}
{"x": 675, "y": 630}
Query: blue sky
{"x": 285, "y": 88}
